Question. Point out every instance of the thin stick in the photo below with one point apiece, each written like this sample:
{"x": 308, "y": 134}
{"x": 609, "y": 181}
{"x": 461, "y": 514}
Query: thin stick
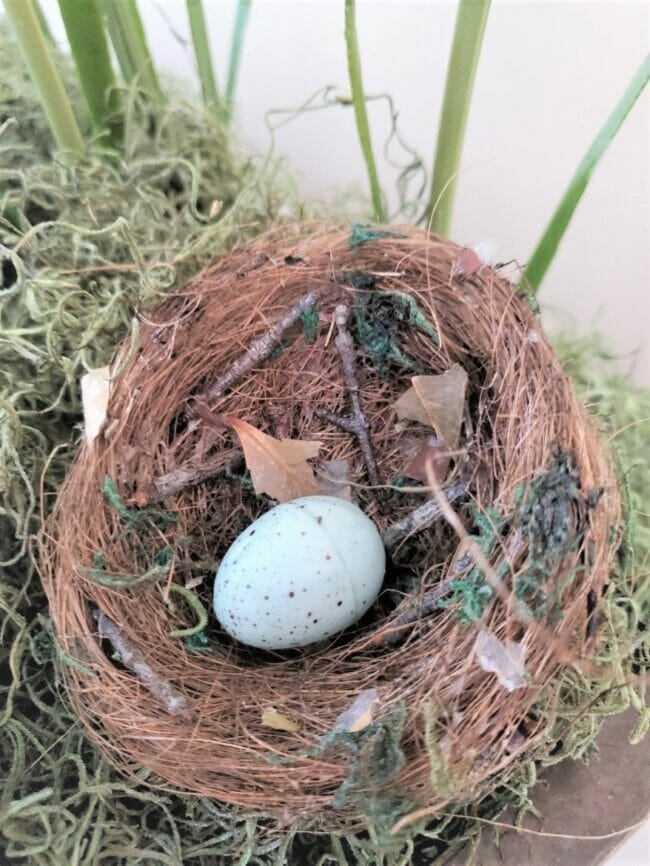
{"x": 465, "y": 50}
{"x": 343, "y": 422}
{"x": 432, "y": 810}
{"x": 360, "y": 113}
{"x": 480, "y": 558}
{"x": 172, "y": 700}
{"x": 361, "y": 428}
{"x": 259, "y": 350}
{"x": 175, "y": 482}
{"x": 422, "y": 517}
{"x": 412, "y": 612}
{"x": 43, "y": 72}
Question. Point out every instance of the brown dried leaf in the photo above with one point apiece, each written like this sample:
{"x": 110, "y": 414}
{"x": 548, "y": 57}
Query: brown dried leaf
{"x": 469, "y": 262}
{"x": 278, "y": 467}
{"x": 271, "y": 718}
{"x": 334, "y": 479}
{"x": 506, "y": 660}
{"x": 431, "y": 452}
{"x": 438, "y": 402}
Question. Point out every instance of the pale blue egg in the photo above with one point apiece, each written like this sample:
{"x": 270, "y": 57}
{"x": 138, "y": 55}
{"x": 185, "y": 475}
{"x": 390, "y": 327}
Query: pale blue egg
{"x": 304, "y": 571}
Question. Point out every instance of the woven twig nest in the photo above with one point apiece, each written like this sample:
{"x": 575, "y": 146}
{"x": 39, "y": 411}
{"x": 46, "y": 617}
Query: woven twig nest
{"x": 485, "y": 602}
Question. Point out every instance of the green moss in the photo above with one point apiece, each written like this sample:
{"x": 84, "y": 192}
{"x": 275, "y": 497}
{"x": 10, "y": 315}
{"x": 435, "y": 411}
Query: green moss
{"x": 84, "y": 248}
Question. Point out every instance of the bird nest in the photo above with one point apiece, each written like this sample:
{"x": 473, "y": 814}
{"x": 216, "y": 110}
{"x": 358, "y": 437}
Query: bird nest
{"x": 499, "y": 544}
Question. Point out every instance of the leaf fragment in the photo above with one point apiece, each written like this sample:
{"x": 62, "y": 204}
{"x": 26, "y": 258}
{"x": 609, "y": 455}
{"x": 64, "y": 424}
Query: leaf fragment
{"x": 438, "y": 402}
{"x": 95, "y": 391}
{"x": 506, "y": 660}
{"x": 360, "y": 713}
{"x": 432, "y": 452}
{"x": 271, "y": 718}
{"x": 334, "y": 479}
{"x": 469, "y": 262}
{"x": 278, "y": 467}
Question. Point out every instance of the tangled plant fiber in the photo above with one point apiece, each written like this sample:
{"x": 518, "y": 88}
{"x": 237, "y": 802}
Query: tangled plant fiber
{"x": 541, "y": 503}
{"x": 62, "y": 803}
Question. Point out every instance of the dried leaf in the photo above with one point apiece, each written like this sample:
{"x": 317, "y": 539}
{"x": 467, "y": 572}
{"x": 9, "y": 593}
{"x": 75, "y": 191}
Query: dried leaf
{"x": 278, "y": 467}
{"x": 333, "y": 479}
{"x": 271, "y": 718}
{"x": 359, "y": 714}
{"x": 215, "y": 209}
{"x": 432, "y": 453}
{"x": 469, "y": 262}
{"x": 95, "y": 390}
{"x": 438, "y": 402}
{"x": 193, "y": 582}
{"x": 505, "y": 660}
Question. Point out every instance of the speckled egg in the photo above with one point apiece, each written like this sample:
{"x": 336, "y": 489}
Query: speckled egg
{"x": 302, "y": 572}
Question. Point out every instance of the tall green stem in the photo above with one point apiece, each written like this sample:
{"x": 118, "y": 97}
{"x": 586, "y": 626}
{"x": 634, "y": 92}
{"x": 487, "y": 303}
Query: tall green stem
{"x": 465, "y": 50}
{"x": 237, "y": 44}
{"x": 201, "y": 43}
{"x": 360, "y": 113}
{"x": 42, "y": 23}
{"x": 45, "y": 76}
{"x": 130, "y": 44}
{"x": 545, "y": 250}
{"x": 90, "y": 51}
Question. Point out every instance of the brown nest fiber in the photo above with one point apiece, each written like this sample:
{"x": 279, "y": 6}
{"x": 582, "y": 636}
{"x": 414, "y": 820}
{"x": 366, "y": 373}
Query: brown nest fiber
{"x": 149, "y": 509}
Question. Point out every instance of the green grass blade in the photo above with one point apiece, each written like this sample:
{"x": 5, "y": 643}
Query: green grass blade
{"x": 90, "y": 51}
{"x": 237, "y": 44}
{"x": 545, "y": 250}
{"x": 202, "y": 53}
{"x": 115, "y": 28}
{"x": 43, "y": 24}
{"x": 44, "y": 74}
{"x": 465, "y": 50}
{"x": 360, "y": 113}
{"x": 129, "y": 41}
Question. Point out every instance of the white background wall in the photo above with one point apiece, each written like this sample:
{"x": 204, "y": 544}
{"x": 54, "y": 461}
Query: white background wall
{"x": 549, "y": 75}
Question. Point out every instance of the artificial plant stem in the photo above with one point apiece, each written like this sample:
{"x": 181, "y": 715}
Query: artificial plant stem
{"x": 42, "y": 23}
{"x": 90, "y": 51}
{"x": 239, "y": 29}
{"x": 114, "y": 28}
{"x": 360, "y": 113}
{"x": 130, "y": 44}
{"x": 44, "y": 74}
{"x": 465, "y": 50}
{"x": 547, "y": 247}
{"x": 201, "y": 43}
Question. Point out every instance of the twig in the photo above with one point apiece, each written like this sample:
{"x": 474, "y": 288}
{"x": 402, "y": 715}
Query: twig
{"x": 346, "y": 350}
{"x": 415, "y": 609}
{"x": 259, "y": 350}
{"x": 433, "y": 810}
{"x": 187, "y": 476}
{"x": 342, "y": 421}
{"x": 411, "y": 613}
{"x": 422, "y": 517}
{"x": 172, "y": 700}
